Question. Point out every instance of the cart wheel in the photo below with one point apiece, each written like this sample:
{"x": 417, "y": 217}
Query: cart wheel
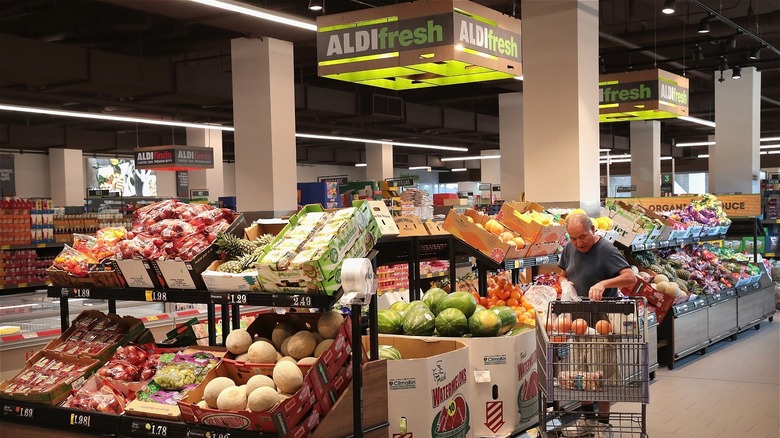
{"x": 652, "y": 375}
{"x": 771, "y": 318}
{"x": 757, "y": 327}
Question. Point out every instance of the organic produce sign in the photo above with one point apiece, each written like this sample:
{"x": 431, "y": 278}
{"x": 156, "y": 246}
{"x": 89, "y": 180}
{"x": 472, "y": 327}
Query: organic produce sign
{"x": 733, "y": 205}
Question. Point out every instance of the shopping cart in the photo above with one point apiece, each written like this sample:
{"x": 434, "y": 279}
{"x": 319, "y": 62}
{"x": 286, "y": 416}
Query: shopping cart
{"x": 577, "y": 363}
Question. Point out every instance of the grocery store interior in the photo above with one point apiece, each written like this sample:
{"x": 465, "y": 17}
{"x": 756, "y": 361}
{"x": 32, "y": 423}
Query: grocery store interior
{"x": 194, "y": 192}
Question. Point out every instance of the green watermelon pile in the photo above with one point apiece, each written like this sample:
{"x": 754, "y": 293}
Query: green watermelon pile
{"x": 450, "y": 315}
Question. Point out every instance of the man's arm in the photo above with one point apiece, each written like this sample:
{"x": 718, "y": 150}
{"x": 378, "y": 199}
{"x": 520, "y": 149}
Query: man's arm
{"x": 625, "y": 278}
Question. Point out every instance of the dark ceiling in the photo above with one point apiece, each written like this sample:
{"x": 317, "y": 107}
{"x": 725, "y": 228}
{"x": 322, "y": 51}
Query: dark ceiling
{"x": 171, "y": 59}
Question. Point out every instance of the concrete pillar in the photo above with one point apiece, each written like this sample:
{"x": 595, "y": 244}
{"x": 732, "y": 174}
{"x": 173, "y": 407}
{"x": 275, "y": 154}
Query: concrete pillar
{"x": 264, "y": 118}
{"x": 379, "y": 161}
{"x": 510, "y": 133}
{"x": 560, "y": 90}
{"x": 66, "y": 170}
{"x": 735, "y": 160}
{"x": 211, "y": 179}
{"x": 646, "y": 157}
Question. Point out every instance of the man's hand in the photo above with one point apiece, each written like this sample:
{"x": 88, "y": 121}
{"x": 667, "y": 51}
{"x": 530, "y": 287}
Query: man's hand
{"x": 596, "y": 292}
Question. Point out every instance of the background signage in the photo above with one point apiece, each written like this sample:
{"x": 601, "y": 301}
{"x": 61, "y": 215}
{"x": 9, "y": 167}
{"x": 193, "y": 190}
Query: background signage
{"x": 341, "y": 179}
{"x": 7, "y": 177}
{"x": 733, "y": 205}
{"x": 182, "y": 183}
{"x": 174, "y": 158}
{"x": 195, "y": 194}
{"x": 642, "y": 95}
{"x": 400, "y": 182}
{"x": 626, "y": 189}
{"x": 667, "y": 184}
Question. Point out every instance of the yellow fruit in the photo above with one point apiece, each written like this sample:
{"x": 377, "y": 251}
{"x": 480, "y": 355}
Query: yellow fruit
{"x": 594, "y": 222}
{"x": 470, "y": 219}
{"x": 301, "y": 344}
{"x": 519, "y": 242}
{"x": 329, "y": 324}
{"x": 578, "y": 211}
{"x": 506, "y": 236}
{"x": 262, "y": 399}
{"x": 288, "y": 377}
{"x": 214, "y": 388}
{"x": 232, "y": 399}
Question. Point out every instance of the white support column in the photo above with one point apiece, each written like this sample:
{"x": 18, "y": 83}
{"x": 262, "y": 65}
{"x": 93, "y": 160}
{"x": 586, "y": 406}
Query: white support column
{"x": 66, "y": 169}
{"x": 211, "y": 179}
{"x": 379, "y": 161}
{"x": 264, "y": 117}
{"x": 510, "y": 133}
{"x": 736, "y": 165}
{"x": 646, "y": 157}
{"x": 490, "y": 169}
{"x": 561, "y": 126}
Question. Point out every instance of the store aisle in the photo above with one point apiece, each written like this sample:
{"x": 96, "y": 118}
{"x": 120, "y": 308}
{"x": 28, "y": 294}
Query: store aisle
{"x": 733, "y": 391}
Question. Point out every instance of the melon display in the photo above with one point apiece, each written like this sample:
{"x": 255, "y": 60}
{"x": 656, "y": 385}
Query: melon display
{"x": 214, "y": 388}
{"x": 389, "y": 352}
{"x": 301, "y": 344}
{"x": 262, "y": 399}
{"x": 463, "y": 301}
{"x": 238, "y": 341}
{"x": 282, "y": 331}
{"x": 399, "y": 306}
{"x": 484, "y": 323}
{"x": 432, "y": 297}
{"x": 232, "y": 398}
{"x": 330, "y": 323}
{"x": 288, "y": 377}
{"x": 324, "y": 345}
{"x": 257, "y": 381}
{"x": 419, "y": 321}
{"x": 451, "y": 323}
{"x": 390, "y": 322}
{"x": 507, "y": 316}
{"x": 261, "y": 352}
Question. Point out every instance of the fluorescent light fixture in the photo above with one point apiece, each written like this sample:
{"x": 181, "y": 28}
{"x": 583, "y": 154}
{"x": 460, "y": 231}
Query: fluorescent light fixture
{"x": 703, "y": 156}
{"x": 428, "y": 168}
{"x": 610, "y": 160}
{"x": 695, "y": 143}
{"x": 315, "y": 5}
{"x": 668, "y": 7}
{"x": 460, "y": 169}
{"x": 604, "y": 157}
{"x": 605, "y": 150}
{"x": 361, "y": 165}
{"x": 770, "y": 139}
{"x": 764, "y": 152}
{"x": 773, "y": 152}
{"x": 245, "y": 9}
{"x": 83, "y": 115}
{"x": 770, "y": 146}
{"x": 373, "y": 141}
{"x": 474, "y": 157}
{"x": 666, "y": 158}
{"x": 697, "y": 120}
{"x": 519, "y": 78}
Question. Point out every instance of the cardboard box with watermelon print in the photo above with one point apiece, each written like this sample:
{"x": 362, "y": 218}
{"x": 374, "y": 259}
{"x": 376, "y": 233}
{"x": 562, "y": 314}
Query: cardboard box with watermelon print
{"x": 503, "y": 383}
{"x": 429, "y": 391}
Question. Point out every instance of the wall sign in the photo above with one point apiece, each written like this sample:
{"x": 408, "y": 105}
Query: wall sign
{"x": 174, "y": 158}
{"x": 7, "y": 177}
{"x": 626, "y": 189}
{"x": 642, "y": 95}
{"x": 733, "y": 205}
{"x": 340, "y": 179}
{"x": 667, "y": 184}
{"x": 196, "y": 194}
{"x": 182, "y": 183}
{"x": 425, "y": 44}
{"x": 400, "y": 182}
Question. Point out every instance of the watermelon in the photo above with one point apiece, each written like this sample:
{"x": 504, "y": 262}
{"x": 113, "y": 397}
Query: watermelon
{"x": 484, "y": 323}
{"x": 462, "y": 301}
{"x": 432, "y": 298}
{"x": 390, "y": 322}
{"x": 480, "y": 307}
{"x": 399, "y": 306}
{"x": 451, "y": 323}
{"x": 389, "y": 352}
{"x": 507, "y": 316}
{"x": 419, "y": 321}
{"x": 415, "y": 304}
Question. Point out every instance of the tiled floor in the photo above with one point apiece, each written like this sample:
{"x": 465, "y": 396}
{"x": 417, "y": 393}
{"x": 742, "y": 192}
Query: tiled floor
{"x": 732, "y": 391}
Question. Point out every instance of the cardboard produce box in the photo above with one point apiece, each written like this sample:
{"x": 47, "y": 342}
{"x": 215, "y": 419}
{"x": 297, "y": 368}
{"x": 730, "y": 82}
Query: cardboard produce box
{"x": 487, "y": 243}
{"x": 226, "y": 282}
{"x": 282, "y": 418}
{"x": 659, "y": 301}
{"x": 179, "y": 274}
{"x": 503, "y": 383}
{"x": 429, "y": 390}
{"x": 625, "y": 223}
{"x": 69, "y": 374}
{"x": 541, "y": 239}
{"x": 121, "y": 331}
{"x": 137, "y": 273}
{"x": 671, "y": 229}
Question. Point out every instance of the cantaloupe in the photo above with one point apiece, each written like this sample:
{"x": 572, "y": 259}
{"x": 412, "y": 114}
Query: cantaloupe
{"x": 659, "y": 278}
{"x": 307, "y": 361}
{"x": 283, "y": 347}
{"x": 203, "y": 405}
{"x": 301, "y": 344}
{"x": 661, "y": 286}
{"x": 262, "y": 399}
{"x": 232, "y": 399}
{"x": 262, "y": 352}
{"x": 214, "y": 388}
{"x": 318, "y": 337}
{"x": 287, "y": 359}
{"x": 257, "y": 381}
{"x": 282, "y": 331}
{"x": 672, "y": 289}
{"x": 242, "y": 358}
{"x": 322, "y": 346}
{"x": 238, "y": 341}
{"x": 288, "y": 377}
{"x": 329, "y": 324}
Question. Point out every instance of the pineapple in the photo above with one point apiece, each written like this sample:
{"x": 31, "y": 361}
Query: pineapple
{"x": 233, "y": 246}
{"x": 656, "y": 268}
{"x": 683, "y": 284}
{"x": 683, "y": 274}
{"x": 676, "y": 264}
{"x": 264, "y": 240}
{"x": 231, "y": 267}
{"x": 248, "y": 261}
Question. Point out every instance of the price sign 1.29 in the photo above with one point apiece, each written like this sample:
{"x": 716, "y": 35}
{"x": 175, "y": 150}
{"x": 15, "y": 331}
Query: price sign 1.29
{"x": 237, "y": 298}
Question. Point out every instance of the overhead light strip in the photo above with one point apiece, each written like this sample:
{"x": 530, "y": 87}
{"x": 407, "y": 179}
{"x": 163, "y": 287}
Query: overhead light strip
{"x": 695, "y": 143}
{"x": 361, "y": 165}
{"x": 475, "y": 157}
{"x": 420, "y": 168}
{"x": 697, "y": 120}
{"x": 146, "y": 121}
{"x": 460, "y": 169}
{"x": 252, "y": 11}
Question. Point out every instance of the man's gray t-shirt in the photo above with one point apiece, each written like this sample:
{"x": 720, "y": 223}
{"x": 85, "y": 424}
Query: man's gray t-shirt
{"x": 603, "y": 261}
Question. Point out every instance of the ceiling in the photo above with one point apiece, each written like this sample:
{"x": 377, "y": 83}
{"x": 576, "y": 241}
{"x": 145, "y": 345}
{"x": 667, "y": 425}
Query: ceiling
{"x": 170, "y": 59}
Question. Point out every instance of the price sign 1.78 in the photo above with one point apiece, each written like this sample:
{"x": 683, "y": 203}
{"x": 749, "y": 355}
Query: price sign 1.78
{"x": 156, "y": 429}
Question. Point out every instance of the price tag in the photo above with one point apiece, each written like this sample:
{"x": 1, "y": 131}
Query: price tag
{"x": 18, "y": 411}
{"x": 5, "y": 246}
{"x": 156, "y": 295}
{"x": 301, "y": 300}
{"x": 40, "y": 245}
{"x": 481, "y": 376}
{"x": 80, "y": 420}
{"x": 542, "y": 260}
{"x": 237, "y": 298}
{"x": 81, "y": 293}
{"x": 156, "y": 429}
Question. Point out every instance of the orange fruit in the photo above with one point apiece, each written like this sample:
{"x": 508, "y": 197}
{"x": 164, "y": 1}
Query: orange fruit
{"x": 512, "y": 302}
{"x": 483, "y": 301}
{"x": 604, "y": 327}
{"x": 500, "y": 303}
{"x": 504, "y": 294}
{"x": 475, "y": 295}
{"x": 519, "y": 242}
{"x": 506, "y": 236}
{"x": 516, "y": 294}
{"x": 563, "y": 324}
{"x": 528, "y": 305}
{"x": 579, "y": 326}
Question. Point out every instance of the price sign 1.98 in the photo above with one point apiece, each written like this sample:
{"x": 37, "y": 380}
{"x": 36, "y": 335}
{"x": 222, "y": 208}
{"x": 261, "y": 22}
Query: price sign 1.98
{"x": 237, "y": 298}
{"x": 80, "y": 420}
{"x": 156, "y": 295}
